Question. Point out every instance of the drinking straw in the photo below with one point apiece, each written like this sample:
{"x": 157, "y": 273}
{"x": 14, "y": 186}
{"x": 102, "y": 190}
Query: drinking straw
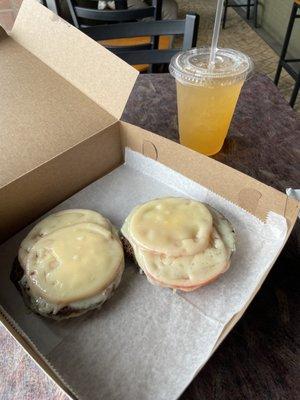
{"x": 216, "y": 33}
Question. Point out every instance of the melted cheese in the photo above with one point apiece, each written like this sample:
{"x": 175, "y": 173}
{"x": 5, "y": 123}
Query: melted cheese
{"x": 171, "y": 226}
{"x": 44, "y": 307}
{"x": 73, "y": 263}
{"x": 56, "y": 221}
{"x": 186, "y": 270}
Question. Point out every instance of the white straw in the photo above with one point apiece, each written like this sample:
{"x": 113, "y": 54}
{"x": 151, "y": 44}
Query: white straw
{"x": 216, "y": 33}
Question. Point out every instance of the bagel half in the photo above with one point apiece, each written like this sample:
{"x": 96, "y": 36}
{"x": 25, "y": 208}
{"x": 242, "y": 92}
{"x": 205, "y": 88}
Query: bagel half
{"x": 205, "y": 238}
{"x": 69, "y": 263}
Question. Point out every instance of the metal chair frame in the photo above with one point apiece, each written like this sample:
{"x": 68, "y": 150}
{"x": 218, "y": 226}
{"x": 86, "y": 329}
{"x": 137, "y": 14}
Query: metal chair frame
{"x": 143, "y": 54}
{"x": 248, "y": 5}
{"x": 129, "y": 23}
{"x": 288, "y": 63}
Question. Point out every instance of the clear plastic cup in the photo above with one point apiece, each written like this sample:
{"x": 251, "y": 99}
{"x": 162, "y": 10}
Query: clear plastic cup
{"x": 206, "y": 97}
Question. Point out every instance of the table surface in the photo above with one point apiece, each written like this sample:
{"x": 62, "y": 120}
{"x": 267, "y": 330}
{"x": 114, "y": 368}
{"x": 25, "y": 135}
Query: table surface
{"x": 260, "y": 358}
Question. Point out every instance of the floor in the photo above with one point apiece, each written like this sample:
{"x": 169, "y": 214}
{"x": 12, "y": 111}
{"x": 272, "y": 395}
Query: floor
{"x": 238, "y": 35}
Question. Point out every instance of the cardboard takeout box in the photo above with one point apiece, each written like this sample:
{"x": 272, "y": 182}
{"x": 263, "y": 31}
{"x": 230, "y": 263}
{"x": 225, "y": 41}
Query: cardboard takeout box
{"x": 61, "y": 99}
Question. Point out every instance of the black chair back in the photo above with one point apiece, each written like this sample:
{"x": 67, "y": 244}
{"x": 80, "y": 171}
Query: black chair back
{"x": 139, "y": 54}
{"x": 84, "y": 16}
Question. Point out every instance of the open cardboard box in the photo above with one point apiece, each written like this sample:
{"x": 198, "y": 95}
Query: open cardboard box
{"x": 62, "y": 96}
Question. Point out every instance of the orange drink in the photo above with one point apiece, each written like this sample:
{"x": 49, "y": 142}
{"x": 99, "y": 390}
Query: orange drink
{"x": 206, "y": 98}
{"x": 203, "y": 115}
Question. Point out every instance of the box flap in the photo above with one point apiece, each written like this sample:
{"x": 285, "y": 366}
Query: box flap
{"x": 95, "y": 71}
{"x": 243, "y": 190}
{"x": 41, "y": 114}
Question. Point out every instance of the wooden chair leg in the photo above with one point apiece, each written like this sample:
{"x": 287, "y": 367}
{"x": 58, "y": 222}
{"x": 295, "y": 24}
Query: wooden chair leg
{"x": 225, "y": 14}
{"x": 286, "y": 42}
{"x": 295, "y": 92}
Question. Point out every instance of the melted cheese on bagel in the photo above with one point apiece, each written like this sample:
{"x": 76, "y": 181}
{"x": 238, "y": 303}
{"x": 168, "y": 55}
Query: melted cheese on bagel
{"x": 180, "y": 243}
{"x": 73, "y": 263}
{"x": 172, "y": 226}
{"x": 56, "y": 221}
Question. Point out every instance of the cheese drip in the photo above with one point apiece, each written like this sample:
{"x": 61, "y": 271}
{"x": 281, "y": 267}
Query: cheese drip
{"x": 73, "y": 263}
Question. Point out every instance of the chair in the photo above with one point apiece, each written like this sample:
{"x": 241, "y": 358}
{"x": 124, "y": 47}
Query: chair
{"x": 145, "y": 53}
{"x": 84, "y": 17}
{"x": 291, "y": 65}
{"x": 248, "y": 6}
{"x": 123, "y": 31}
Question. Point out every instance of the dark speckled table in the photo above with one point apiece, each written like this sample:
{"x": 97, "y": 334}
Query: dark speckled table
{"x": 264, "y": 138}
{"x": 259, "y": 360}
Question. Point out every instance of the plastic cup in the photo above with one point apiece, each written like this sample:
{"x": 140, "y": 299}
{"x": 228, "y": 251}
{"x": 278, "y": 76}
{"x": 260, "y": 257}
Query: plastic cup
{"x": 206, "y": 97}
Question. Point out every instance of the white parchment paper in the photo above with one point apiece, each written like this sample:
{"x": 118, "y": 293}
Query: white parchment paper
{"x": 146, "y": 342}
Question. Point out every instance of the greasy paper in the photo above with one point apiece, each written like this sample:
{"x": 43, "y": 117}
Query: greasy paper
{"x": 146, "y": 342}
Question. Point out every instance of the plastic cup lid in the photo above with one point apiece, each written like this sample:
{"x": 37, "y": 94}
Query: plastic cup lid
{"x": 191, "y": 67}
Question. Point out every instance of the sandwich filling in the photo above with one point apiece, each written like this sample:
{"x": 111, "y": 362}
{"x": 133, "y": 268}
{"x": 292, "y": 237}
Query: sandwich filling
{"x": 205, "y": 241}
